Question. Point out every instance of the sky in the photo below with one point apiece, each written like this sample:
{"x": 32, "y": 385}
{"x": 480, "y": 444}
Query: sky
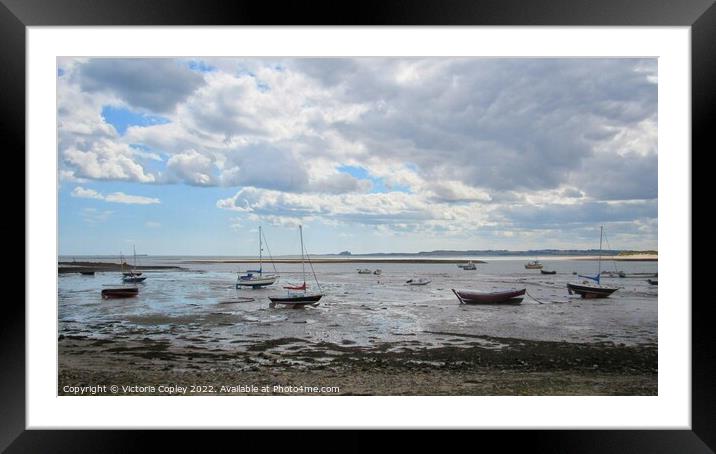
{"x": 189, "y": 156}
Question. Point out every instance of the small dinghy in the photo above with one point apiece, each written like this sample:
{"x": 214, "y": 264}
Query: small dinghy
{"x": 547, "y": 272}
{"x": 123, "y": 292}
{"x": 501, "y": 297}
{"x": 419, "y": 281}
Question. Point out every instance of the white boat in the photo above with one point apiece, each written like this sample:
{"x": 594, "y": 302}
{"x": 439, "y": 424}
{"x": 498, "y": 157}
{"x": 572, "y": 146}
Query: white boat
{"x": 593, "y": 289}
{"x": 298, "y": 295}
{"x": 378, "y": 272}
{"x": 132, "y": 276}
{"x": 257, "y": 278}
{"x": 419, "y": 281}
{"x": 364, "y": 271}
{"x": 534, "y": 265}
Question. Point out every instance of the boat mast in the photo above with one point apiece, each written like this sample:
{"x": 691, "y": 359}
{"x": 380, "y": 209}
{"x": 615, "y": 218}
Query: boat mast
{"x": 303, "y": 262}
{"x": 261, "y": 247}
{"x": 599, "y": 272}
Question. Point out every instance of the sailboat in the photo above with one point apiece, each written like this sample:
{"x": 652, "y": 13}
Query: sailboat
{"x": 121, "y": 292}
{"x": 257, "y": 278}
{"x": 590, "y": 290}
{"x": 297, "y": 295}
{"x": 133, "y": 275}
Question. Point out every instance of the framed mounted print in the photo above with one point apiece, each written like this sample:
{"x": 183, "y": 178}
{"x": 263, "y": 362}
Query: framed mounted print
{"x": 387, "y": 226}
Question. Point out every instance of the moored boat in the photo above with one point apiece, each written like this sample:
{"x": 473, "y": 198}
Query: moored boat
{"x": 513, "y": 296}
{"x": 257, "y": 278}
{"x": 467, "y": 266}
{"x": 133, "y": 276}
{"x": 122, "y": 292}
{"x": 133, "y": 279}
{"x": 419, "y": 281}
{"x": 534, "y": 265}
{"x": 548, "y": 272}
{"x": 586, "y": 289}
{"x": 297, "y": 296}
{"x": 653, "y": 281}
{"x": 364, "y": 271}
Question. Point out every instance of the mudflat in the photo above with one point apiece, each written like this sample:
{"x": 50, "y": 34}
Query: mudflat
{"x": 292, "y": 366}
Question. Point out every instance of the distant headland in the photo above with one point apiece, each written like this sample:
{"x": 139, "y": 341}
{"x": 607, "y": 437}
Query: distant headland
{"x": 506, "y": 253}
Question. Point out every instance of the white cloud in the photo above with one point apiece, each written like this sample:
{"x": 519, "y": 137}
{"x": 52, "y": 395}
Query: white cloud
{"x": 465, "y": 137}
{"x": 397, "y": 209}
{"x": 192, "y": 167}
{"x": 116, "y": 197}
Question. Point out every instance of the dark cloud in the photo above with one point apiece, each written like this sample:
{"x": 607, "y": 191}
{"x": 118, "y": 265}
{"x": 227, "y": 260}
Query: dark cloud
{"x": 265, "y": 167}
{"x": 153, "y": 84}
{"x": 617, "y": 177}
{"x": 563, "y": 216}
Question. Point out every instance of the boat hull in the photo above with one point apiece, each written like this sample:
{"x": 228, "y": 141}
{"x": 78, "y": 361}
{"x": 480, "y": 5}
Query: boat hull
{"x": 119, "y": 293}
{"x": 533, "y": 267}
{"x": 589, "y": 291}
{"x": 548, "y": 272}
{"x": 134, "y": 279}
{"x": 295, "y": 302}
{"x": 256, "y": 282}
{"x": 412, "y": 282}
{"x": 507, "y": 297}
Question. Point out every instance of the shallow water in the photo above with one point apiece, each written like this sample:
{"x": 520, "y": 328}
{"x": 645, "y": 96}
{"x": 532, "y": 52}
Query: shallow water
{"x": 197, "y": 307}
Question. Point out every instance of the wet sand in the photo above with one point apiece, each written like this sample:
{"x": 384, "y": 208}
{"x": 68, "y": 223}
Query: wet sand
{"x": 474, "y": 367}
{"x": 99, "y": 267}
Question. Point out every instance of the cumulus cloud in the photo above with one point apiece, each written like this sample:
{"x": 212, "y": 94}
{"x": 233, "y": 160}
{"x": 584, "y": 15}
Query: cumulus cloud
{"x": 440, "y": 139}
{"x": 154, "y": 84}
{"x": 400, "y": 210}
{"x": 115, "y": 197}
{"x": 191, "y": 167}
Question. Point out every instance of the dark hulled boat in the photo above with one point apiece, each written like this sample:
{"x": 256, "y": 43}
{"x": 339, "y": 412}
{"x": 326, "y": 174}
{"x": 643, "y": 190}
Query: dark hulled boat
{"x": 503, "y": 297}
{"x": 596, "y": 289}
{"x": 547, "y": 272}
{"x": 123, "y": 292}
{"x": 591, "y": 290}
{"x": 295, "y": 301}
{"x": 297, "y": 296}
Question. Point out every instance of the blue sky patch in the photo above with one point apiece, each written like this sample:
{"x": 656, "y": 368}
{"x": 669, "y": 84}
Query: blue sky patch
{"x": 200, "y": 66}
{"x": 379, "y": 184}
{"x": 122, "y": 118}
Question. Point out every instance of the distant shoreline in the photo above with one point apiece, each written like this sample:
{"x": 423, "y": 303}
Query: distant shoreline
{"x": 336, "y": 260}
{"x": 87, "y": 266}
{"x": 357, "y": 260}
{"x": 98, "y": 267}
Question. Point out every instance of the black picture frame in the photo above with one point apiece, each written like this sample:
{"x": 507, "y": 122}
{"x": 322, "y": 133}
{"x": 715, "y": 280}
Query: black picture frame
{"x": 700, "y": 15}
